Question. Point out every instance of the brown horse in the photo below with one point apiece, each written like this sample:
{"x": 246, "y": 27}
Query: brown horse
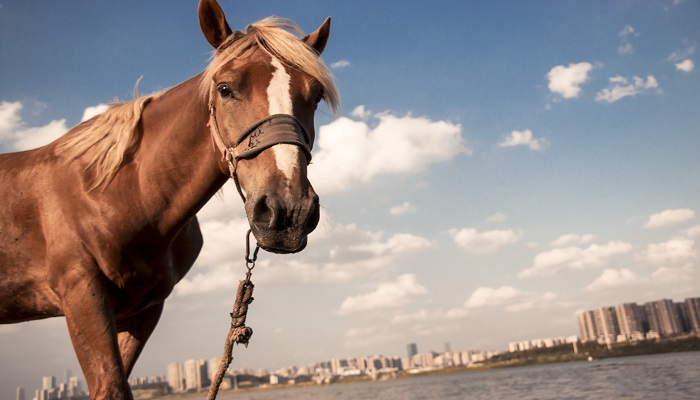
{"x": 100, "y": 225}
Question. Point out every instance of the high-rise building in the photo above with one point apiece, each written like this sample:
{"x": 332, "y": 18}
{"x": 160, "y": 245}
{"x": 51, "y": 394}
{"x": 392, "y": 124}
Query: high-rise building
{"x": 48, "y": 382}
{"x": 630, "y": 318}
{"x": 663, "y": 317}
{"x": 586, "y": 325}
{"x": 176, "y": 377}
{"x": 195, "y": 374}
{"x": 606, "y": 323}
{"x": 693, "y": 307}
{"x": 412, "y": 350}
{"x": 20, "y": 393}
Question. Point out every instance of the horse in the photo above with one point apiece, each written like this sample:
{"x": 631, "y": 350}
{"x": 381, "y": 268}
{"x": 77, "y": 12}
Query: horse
{"x": 99, "y": 225}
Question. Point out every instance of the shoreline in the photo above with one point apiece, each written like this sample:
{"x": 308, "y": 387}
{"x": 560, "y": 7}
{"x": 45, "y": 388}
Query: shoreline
{"x": 560, "y": 354}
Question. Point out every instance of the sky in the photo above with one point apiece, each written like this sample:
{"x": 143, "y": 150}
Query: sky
{"x": 496, "y": 167}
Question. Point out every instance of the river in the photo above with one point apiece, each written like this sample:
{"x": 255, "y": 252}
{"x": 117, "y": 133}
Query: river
{"x": 674, "y": 376}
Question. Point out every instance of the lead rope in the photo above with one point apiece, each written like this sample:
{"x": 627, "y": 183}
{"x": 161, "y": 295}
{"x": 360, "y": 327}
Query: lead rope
{"x": 238, "y": 333}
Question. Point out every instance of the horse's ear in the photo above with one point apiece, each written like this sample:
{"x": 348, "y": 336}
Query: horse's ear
{"x": 213, "y": 22}
{"x": 318, "y": 39}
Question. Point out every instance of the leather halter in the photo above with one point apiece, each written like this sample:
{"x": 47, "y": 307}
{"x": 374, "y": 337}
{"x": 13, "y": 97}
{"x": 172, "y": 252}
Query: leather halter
{"x": 272, "y": 130}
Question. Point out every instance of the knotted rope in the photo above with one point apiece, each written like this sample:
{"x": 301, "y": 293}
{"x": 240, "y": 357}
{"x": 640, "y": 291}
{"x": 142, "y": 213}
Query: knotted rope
{"x": 238, "y": 333}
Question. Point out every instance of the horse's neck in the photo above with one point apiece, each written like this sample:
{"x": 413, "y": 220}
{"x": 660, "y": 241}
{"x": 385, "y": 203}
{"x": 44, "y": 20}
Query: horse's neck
{"x": 177, "y": 163}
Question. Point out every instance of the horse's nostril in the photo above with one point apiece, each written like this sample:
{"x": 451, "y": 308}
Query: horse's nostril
{"x": 264, "y": 212}
{"x": 312, "y": 217}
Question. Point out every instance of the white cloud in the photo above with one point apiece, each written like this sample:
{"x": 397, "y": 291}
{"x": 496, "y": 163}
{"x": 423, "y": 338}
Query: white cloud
{"x": 360, "y": 112}
{"x": 670, "y": 217}
{"x": 340, "y": 64}
{"x": 403, "y": 208}
{"x": 673, "y": 275}
{"x": 572, "y": 239}
{"x": 93, "y": 111}
{"x": 670, "y": 252}
{"x": 614, "y": 278}
{"x": 523, "y": 138}
{"x": 680, "y": 55}
{"x": 336, "y": 253}
{"x": 386, "y": 295}
{"x": 626, "y": 47}
{"x": 567, "y": 81}
{"x": 397, "y": 244}
{"x": 486, "y": 296}
{"x": 472, "y": 241}
{"x": 621, "y": 87}
{"x": 497, "y": 217}
{"x": 513, "y": 300}
{"x": 352, "y": 152}
{"x": 553, "y": 261}
{"x": 14, "y": 131}
{"x": 686, "y": 65}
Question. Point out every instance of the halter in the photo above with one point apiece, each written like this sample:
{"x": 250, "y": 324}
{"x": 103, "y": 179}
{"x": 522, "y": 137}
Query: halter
{"x": 269, "y": 131}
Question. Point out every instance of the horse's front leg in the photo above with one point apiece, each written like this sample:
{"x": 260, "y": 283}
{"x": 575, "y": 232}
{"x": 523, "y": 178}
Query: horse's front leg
{"x": 134, "y": 332}
{"x": 87, "y": 306}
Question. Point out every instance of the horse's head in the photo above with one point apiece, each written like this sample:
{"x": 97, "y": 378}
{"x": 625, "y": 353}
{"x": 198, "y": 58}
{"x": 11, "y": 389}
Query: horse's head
{"x": 263, "y": 86}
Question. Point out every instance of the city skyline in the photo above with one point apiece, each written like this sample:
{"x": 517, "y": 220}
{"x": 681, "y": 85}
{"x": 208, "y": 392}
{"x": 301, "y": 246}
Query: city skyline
{"x": 495, "y": 168}
{"x": 622, "y": 322}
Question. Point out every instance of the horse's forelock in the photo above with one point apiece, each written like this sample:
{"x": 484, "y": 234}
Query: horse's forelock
{"x": 280, "y": 38}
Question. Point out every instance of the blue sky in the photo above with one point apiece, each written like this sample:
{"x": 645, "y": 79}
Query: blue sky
{"x": 496, "y": 167}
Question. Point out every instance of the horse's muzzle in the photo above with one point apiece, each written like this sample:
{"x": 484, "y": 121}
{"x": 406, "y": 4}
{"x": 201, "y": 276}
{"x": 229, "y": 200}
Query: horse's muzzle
{"x": 282, "y": 226}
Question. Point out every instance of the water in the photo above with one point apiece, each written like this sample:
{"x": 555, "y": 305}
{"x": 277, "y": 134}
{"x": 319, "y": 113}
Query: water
{"x": 673, "y": 376}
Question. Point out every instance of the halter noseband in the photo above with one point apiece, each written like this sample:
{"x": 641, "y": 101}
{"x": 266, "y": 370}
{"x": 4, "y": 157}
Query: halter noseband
{"x": 269, "y": 131}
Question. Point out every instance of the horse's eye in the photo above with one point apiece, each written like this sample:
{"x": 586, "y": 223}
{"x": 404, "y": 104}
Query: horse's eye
{"x": 225, "y": 91}
{"x": 319, "y": 97}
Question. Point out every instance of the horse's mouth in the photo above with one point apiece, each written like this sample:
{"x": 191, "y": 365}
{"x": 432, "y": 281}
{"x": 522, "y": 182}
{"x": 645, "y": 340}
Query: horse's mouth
{"x": 283, "y": 247}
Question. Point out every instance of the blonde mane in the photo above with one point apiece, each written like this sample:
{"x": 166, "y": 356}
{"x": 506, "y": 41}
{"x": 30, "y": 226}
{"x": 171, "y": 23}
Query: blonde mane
{"x": 281, "y": 38}
{"x": 109, "y": 137}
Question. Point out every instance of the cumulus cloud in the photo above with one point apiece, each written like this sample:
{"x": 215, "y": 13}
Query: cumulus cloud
{"x": 613, "y": 279}
{"x": 553, "y": 261}
{"x": 340, "y": 64}
{"x": 360, "y": 112}
{"x": 386, "y": 295}
{"x": 669, "y": 217}
{"x": 673, "y": 251}
{"x": 488, "y": 242}
{"x": 486, "y": 296}
{"x": 572, "y": 239}
{"x": 567, "y": 81}
{"x": 686, "y": 65}
{"x": 621, "y": 87}
{"x": 513, "y": 300}
{"x": 352, "y": 152}
{"x": 673, "y": 274}
{"x": 94, "y": 111}
{"x": 336, "y": 253}
{"x": 403, "y": 208}
{"x": 523, "y": 138}
{"x": 15, "y": 134}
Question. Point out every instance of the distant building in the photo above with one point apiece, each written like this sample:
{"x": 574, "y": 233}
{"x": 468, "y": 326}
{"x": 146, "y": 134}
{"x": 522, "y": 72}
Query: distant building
{"x": 663, "y": 317}
{"x": 48, "y": 382}
{"x": 692, "y": 307}
{"x": 176, "y": 377}
{"x": 631, "y": 318}
{"x": 412, "y": 350}
{"x": 606, "y": 324}
{"x": 20, "y": 394}
{"x": 195, "y": 375}
{"x": 586, "y": 325}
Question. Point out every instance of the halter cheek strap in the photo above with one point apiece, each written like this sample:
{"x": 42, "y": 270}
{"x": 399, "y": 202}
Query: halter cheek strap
{"x": 269, "y": 131}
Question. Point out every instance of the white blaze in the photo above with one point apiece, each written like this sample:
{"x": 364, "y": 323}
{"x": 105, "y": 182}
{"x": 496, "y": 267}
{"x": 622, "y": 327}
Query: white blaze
{"x": 280, "y": 101}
